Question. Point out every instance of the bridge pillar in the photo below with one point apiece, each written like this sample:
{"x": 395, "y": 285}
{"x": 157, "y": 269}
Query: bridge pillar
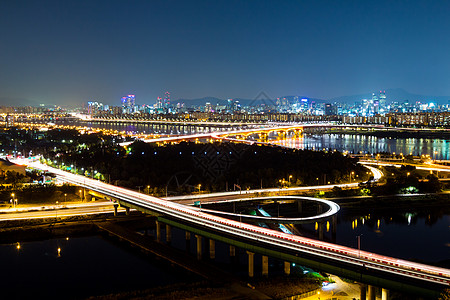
{"x": 265, "y": 266}
{"x": 362, "y": 294}
{"x": 299, "y": 206}
{"x": 233, "y": 257}
{"x": 85, "y": 193}
{"x": 371, "y": 293}
{"x": 212, "y": 249}
{"x": 320, "y": 231}
{"x": 127, "y": 211}
{"x": 199, "y": 246}
{"x": 319, "y": 208}
{"x": 168, "y": 233}
{"x": 251, "y": 264}
{"x": 188, "y": 241}
{"x": 115, "y": 209}
{"x": 333, "y": 228}
{"x": 158, "y": 231}
{"x": 287, "y": 268}
{"x": 384, "y": 294}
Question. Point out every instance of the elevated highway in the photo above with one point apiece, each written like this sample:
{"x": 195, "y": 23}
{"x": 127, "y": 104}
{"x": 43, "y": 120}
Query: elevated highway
{"x": 352, "y": 263}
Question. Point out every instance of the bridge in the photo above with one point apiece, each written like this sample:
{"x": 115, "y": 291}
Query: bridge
{"x": 363, "y": 266}
{"x": 261, "y": 130}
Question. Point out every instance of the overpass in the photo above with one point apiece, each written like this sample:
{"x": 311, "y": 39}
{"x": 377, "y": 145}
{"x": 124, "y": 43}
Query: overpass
{"x": 363, "y": 266}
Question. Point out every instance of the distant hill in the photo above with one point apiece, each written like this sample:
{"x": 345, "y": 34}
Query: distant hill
{"x": 393, "y": 95}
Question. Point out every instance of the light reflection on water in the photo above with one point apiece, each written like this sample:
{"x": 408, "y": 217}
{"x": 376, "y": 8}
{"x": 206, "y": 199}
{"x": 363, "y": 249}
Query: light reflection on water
{"x": 436, "y": 148}
{"x": 409, "y": 235}
{"x": 82, "y": 267}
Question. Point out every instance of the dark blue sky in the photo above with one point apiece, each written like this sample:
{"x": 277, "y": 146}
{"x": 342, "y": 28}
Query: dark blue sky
{"x": 74, "y": 51}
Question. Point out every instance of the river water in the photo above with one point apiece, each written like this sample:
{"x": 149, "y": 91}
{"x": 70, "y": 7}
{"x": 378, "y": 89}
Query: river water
{"x": 435, "y": 148}
{"x": 85, "y": 266}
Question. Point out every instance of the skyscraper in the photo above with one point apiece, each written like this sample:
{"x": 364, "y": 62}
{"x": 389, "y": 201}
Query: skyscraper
{"x": 166, "y": 100}
{"x": 128, "y": 103}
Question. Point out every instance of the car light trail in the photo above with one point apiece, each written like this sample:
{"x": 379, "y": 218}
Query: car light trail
{"x": 262, "y": 235}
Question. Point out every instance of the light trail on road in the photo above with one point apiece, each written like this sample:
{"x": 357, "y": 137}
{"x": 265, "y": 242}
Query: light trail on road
{"x": 345, "y": 255}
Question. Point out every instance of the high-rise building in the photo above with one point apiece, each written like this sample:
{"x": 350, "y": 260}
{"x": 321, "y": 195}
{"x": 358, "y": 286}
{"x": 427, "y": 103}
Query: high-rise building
{"x": 330, "y": 109}
{"x": 166, "y": 100}
{"x": 382, "y": 98}
{"x": 128, "y": 103}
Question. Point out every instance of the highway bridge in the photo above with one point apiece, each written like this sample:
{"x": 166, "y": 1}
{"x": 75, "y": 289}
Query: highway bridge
{"x": 363, "y": 266}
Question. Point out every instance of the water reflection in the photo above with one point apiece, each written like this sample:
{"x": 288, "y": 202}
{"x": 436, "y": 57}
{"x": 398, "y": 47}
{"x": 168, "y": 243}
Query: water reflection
{"x": 436, "y": 148}
{"x": 77, "y": 268}
{"x": 417, "y": 235}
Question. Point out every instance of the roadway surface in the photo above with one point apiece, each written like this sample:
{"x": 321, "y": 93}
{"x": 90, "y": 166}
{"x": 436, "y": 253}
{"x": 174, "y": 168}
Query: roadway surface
{"x": 53, "y": 211}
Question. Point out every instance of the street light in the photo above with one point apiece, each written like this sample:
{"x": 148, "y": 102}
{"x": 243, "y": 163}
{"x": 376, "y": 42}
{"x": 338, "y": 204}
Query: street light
{"x": 65, "y": 198}
{"x": 56, "y": 211}
{"x": 81, "y": 196}
{"x": 199, "y": 188}
{"x": 13, "y": 200}
{"x": 148, "y": 189}
{"x": 289, "y": 179}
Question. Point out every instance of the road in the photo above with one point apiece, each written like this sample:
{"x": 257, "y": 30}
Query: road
{"x": 53, "y": 211}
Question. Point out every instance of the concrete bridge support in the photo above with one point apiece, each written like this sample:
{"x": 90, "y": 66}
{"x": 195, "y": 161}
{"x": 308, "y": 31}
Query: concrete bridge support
{"x": 251, "y": 264}
{"x": 265, "y": 266}
{"x": 299, "y": 206}
{"x": 212, "y": 249}
{"x": 199, "y": 246}
{"x": 333, "y": 228}
{"x": 320, "y": 231}
{"x": 319, "y": 208}
{"x": 371, "y": 293}
{"x": 127, "y": 211}
{"x": 188, "y": 241}
{"x": 384, "y": 294}
{"x": 232, "y": 251}
{"x": 85, "y": 193}
{"x": 116, "y": 206}
{"x": 287, "y": 268}
{"x": 363, "y": 291}
{"x": 168, "y": 233}
{"x": 158, "y": 231}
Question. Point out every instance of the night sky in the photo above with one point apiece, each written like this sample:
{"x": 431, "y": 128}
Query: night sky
{"x": 68, "y": 52}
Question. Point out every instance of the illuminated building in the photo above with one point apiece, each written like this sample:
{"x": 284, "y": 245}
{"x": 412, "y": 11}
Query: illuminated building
{"x": 128, "y": 103}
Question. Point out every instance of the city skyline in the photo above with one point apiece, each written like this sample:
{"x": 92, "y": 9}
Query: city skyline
{"x": 82, "y": 51}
